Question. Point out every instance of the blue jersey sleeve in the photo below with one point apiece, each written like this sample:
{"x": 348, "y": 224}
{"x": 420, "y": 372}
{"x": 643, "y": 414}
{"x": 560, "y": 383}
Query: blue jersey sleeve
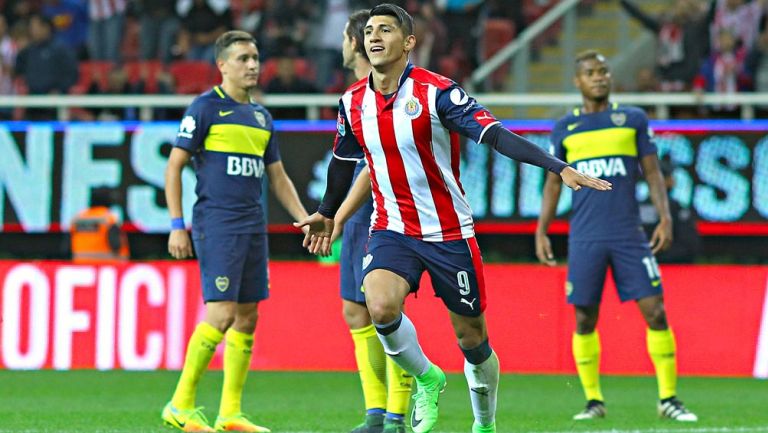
{"x": 193, "y": 128}
{"x": 644, "y": 134}
{"x": 461, "y": 113}
{"x": 346, "y": 146}
{"x": 272, "y": 152}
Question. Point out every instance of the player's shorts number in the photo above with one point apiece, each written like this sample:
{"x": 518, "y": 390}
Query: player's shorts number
{"x": 463, "y": 278}
{"x": 652, "y": 267}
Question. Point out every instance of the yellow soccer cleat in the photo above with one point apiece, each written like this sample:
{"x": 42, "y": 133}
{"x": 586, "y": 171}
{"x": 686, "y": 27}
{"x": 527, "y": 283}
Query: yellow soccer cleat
{"x": 238, "y": 422}
{"x": 190, "y": 420}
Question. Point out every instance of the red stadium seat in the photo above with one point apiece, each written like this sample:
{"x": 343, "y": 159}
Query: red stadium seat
{"x": 89, "y": 71}
{"x": 193, "y": 77}
{"x": 150, "y": 69}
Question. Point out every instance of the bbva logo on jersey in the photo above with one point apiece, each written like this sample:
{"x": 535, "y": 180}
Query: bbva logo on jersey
{"x": 244, "y": 166}
{"x": 602, "y": 167}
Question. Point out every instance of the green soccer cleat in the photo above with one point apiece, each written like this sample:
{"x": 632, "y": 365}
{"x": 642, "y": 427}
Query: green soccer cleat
{"x": 392, "y": 425}
{"x": 424, "y": 414}
{"x": 186, "y": 420}
{"x": 238, "y": 422}
{"x": 374, "y": 423}
{"x": 479, "y": 428}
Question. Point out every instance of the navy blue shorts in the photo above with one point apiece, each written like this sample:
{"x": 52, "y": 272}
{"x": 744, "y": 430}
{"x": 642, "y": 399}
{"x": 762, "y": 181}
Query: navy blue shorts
{"x": 635, "y": 271}
{"x": 455, "y": 267}
{"x": 353, "y": 243}
{"x": 233, "y": 267}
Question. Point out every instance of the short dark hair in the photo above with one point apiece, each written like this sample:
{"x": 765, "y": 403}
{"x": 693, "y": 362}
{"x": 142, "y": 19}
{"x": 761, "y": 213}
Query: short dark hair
{"x": 226, "y": 40}
{"x": 404, "y": 19}
{"x": 355, "y": 29}
{"x": 588, "y": 55}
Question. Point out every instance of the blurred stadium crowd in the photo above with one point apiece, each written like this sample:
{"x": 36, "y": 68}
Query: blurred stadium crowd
{"x": 166, "y": 46}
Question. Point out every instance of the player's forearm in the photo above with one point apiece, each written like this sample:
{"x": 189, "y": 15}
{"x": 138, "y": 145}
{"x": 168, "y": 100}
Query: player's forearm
{"x": 551, "y": 195}
{"x": 516, "y": 147}
{"x": 173, "y": 190}
{"x": 358, "y": 195}
{"x": 656, "y": 186}
{"x": 340, "y": 173}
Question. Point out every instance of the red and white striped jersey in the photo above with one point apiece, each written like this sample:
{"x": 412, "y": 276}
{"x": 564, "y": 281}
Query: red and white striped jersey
{"x": 411, "y": 143}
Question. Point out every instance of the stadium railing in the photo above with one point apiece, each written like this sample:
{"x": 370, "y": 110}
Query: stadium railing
{"x": 661, "y": 102}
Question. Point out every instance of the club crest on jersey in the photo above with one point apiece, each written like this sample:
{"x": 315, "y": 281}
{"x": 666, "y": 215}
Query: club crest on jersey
{"x": 187, "y": 127}
{"x": 340, "y": 126}
{"x": 222, "y": 283}
{"x": 412, "y": 108}
{"x": 619, "y": 119}
{"x": 260, "y": 119}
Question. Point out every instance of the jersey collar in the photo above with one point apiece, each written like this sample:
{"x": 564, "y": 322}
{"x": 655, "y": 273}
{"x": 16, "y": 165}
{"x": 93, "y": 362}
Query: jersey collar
{"x": 404, "y": 76}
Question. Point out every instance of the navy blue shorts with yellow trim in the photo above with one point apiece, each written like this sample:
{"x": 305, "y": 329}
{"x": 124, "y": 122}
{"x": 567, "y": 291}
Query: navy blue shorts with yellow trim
{"x": 455, "y": 267}
{"x": 233, "y": 267}
{"x": 353, "y": 244}
{"x": 634, "y": 269}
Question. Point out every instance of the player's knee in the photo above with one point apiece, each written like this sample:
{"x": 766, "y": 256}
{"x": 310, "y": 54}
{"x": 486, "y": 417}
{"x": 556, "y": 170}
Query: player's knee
{"x": 382, "y": 312}
{"x": 656, "y": 318}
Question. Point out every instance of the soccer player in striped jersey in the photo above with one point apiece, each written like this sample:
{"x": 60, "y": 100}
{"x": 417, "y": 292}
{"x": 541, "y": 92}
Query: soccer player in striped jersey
{"x": 386, "y": 386}
{"x": 405, "y": 121}
{"x": 613, "y": 142}
{"x": 232, "y": 145}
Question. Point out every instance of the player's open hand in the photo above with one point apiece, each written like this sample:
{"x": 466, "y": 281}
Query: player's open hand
{"x": 661, "y": 239}
{"x": 179, "y": 244}
{"x": 575, "y": 179}
{"x": 317, "y": 239}
{"x": 544, "y": 250}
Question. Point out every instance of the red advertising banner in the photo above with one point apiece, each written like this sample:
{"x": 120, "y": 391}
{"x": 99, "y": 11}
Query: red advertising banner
{"x": 140, "y": 315}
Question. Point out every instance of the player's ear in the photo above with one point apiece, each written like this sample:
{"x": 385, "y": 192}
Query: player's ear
{"x": 409, "y": 43}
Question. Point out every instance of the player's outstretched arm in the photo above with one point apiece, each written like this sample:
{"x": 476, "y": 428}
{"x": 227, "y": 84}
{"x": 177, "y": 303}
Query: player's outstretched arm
{"x": 575, "y": 180}
{"x": 319, "y": 225}
{"x": 552, "y": 188}
{"x": 179, "y": 244}
{"x": 358, "y": 195}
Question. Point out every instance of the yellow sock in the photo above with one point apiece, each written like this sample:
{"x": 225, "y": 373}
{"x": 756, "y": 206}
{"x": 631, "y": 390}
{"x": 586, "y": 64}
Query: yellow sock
{"x": 399, "y": 386}
{"x": 371, "y": 362}
{"x": 586, "y": 353}
{"x": 237, "y": 361}
{"x": 662, "y": 349}
{"x": 200, "y": 349}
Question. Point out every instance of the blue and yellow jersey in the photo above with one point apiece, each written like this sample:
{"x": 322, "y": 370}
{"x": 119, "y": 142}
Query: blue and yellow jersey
{"x": 609, "y": 145}
{"x": 231, "y": 144}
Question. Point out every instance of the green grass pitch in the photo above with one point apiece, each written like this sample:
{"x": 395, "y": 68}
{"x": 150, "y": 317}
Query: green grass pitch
{"x": 288, "y": 402}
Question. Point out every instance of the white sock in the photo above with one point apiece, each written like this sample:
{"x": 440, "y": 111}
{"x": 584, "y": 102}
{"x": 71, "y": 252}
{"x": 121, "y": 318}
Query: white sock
{"x": 483, "y": 380}
{"x": 402, "y": 345}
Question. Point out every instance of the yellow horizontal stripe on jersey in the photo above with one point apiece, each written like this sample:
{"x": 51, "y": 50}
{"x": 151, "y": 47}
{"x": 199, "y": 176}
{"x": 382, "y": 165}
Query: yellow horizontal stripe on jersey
{"x": 600, "y": 143}
{"x": 232, "y": 138}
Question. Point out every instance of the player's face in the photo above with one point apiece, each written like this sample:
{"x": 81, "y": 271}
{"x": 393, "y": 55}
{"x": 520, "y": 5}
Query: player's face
{"x": 348, "y": 49}
{"x": 593, "y": 79}
{"x": 241, "y": 66}
{"x": 385, "y": 42}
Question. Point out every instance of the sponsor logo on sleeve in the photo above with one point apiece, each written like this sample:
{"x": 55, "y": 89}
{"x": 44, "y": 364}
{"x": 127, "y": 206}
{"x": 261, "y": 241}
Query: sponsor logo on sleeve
{"x": 484, "y": 118}
{"x": 458, "y": 97}
{"x": 187, "y": 127}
